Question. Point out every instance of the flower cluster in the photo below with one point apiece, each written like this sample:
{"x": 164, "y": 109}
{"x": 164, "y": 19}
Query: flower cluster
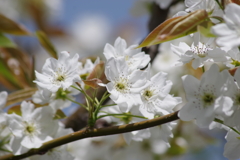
{"x": 137, "y": 93}
{"x": 212, "y": 99}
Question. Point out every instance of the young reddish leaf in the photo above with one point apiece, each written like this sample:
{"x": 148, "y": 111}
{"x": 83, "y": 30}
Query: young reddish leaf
{"x": 232, "y": 71}
{"x": 235, "y": 1}
{"x": 46, "y": 43}
{"x": 175, "y": 27}
{"x": 5, "y": 42}
{"x": 59, "y": 114}
{"x": 97, "y": 72}
{"x": 96, "y": 76}
{"x": 151, "y": 38}
{"x": 11, "y": 27}
{"x": 93, "y": 82}
{"x": 15, "y": 109}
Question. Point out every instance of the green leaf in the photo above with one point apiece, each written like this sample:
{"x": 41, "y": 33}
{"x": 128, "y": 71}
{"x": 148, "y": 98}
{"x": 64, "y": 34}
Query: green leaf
{"x": 59, "y": 114}
{"x": 175, "y": 28}
{"x": 11, "y": 27}
{"x": 46, "y": 43}
{"x": 5, "y": 42}
{"x": 6, "y": 73}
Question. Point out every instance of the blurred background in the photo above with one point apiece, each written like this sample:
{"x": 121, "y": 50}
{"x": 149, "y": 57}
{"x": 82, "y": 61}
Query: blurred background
{"x": 84, "y": 27}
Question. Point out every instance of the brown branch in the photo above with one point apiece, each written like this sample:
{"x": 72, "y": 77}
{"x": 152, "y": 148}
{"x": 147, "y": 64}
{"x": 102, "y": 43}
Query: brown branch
{"x": 85, "y": 133}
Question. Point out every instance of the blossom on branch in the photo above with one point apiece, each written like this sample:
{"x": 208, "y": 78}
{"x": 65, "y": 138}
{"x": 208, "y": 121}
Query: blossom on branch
{"x": 124, "y": 85}
{"x": 205, "y": 98}
{"x": 229, "y": 32}
{"x": 61, "y": 73}
{"x": 134, "y": 58}
{"x": 201, "y": 50}
{"x": 31, "y": 129}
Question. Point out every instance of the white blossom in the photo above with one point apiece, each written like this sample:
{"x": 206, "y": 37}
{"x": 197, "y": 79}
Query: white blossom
{"x": 164, "y": 131}
{"x": 93, "y": 148}
{"x": 134, "y": 58}
{"x": 88, "y": 68}
{"x": 156, "y": 95}
{"x": 232, "y": 147}
{"x": 32, "y": 128}
{"x": 229, "y": 32}
{"x": 61, "y": 73}
{"x": 210, "y": 6}
{"x": 58, "y": 153}
{"x": 205, "y": 98}
{"x": 124, "y": 85}
{"x": 201, "y": 50}
{"x": 234, "y": 92}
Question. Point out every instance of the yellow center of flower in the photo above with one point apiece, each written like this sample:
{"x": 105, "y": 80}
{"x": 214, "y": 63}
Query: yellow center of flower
{"x": 60, "y": 78}
{"x": 30, "y": 129}
{"x": 200, "y": 50}
{"x": 208, "y": 99}
{"x": 122, "y": 85}
{"x": 147, "y": 94}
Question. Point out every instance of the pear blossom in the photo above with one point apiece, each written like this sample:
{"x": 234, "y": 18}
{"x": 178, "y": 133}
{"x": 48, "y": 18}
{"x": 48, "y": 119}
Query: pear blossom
{"x": 32, "y": 128}
{"x": 234, "y": 93}
{"x": 88, "y": 67}
{"x": 201, "y": 50}
{"x": 42, "y": 96}
{"x": 124, "y": 85}
{"x": 93, "y": 148}
{"x": 164, "y": 131}
{"x": 232, "y": 147}
{"x": 134, "y": 57}
{"x": 61, "y": 73}
{"x": 156, "y": 95}
{"x": 229, "y": 32}
{"x": 210, "y": 6}
{"x": 233, "y": 57}
{"x": 59, "y": 153}
{"x": 205, "y": 97}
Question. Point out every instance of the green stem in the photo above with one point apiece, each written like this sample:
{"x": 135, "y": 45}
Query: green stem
{"x": 99, "y": 104}
{"x": 221, "y": 122}
{"x": 109, "y": 105}
{"x": 219, "y": 4}
{"x": 82, "y": 91}
{"x": 203, "y": 69}
{"x": 114, "y": 115}
{"x": 77, "y": 103}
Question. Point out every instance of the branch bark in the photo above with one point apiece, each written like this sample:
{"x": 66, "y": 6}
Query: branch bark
{"x": 94, "y": 132}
